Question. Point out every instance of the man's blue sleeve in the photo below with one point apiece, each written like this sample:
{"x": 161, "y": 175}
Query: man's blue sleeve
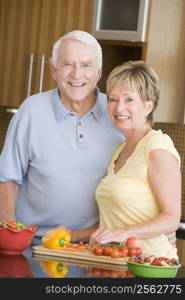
{"x": 14, "y": 156}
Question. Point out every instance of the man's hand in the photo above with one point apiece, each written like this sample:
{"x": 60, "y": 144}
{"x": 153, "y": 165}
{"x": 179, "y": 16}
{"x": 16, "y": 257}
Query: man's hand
{"x": 79, "y": 235}
{"x": 61, "y": 226}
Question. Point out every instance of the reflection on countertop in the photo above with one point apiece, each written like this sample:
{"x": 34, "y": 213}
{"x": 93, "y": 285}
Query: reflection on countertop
{"x": 27, "y": 266}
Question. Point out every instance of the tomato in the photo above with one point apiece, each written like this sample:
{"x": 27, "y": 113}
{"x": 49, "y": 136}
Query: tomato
{"x": 133, "y": 242}
{"x": 123, "y": 252}
{"x": 107, "y": 251}
{"x": 98, "y": 250}
{"x": 132, "y": 251}
{"x": 115, "y": 253}
{"x": 138, "y": 251}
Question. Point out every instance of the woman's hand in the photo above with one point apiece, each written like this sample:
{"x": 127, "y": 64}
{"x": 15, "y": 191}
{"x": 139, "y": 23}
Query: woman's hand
{"x": 105, "y": 235}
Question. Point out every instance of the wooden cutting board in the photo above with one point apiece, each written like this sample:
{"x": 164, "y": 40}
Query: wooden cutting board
{"x": 86, "y": 255}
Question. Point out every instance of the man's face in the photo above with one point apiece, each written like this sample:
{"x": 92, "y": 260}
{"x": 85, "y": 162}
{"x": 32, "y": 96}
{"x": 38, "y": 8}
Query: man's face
{"x": 76, "y": 71}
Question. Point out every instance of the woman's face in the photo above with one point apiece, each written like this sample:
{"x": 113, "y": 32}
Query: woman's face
{"x": 127, "y": 109}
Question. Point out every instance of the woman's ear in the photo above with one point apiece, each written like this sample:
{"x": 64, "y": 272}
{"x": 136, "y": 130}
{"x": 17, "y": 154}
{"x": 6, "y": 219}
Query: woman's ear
{"x": 149, "y": 106}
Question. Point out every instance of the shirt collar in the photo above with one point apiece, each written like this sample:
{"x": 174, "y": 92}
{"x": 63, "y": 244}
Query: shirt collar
{"x": 61, "y": 112}
{"x": 98, "y": 107}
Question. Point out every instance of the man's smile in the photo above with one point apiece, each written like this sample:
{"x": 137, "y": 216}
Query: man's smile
{"x": 76, "y": 84}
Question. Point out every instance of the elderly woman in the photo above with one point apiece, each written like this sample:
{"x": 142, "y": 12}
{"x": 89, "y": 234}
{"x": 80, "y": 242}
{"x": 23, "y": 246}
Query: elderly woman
{"x": 141, "y": 194}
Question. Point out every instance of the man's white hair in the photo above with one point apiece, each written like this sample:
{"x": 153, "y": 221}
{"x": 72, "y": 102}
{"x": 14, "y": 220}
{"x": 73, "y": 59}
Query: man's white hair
{"x": 79, "y": 35}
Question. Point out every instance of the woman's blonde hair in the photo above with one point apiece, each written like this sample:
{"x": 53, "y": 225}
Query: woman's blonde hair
{"x": 139, "y": 75}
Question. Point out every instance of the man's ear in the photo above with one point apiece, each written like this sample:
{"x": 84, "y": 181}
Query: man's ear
{"x": 99, "y": 74}
{"x": 53, "y": 71}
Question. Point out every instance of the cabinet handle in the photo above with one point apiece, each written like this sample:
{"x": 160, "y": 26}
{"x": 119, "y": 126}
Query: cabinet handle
{"x": 30, "y": 75}
{"x": 41, "y": 73}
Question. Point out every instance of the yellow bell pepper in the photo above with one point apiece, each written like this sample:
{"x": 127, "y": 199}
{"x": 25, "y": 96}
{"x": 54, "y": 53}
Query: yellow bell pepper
{"x": 54, "y": 269}
{"x": 56, "y": 239}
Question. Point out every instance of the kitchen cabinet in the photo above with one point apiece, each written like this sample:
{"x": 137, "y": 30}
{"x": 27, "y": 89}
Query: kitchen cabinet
{"x": 117, "y": 52}
{"x": 19, "y": 36}
{"x": 181, "y": 250}
{"x": 166, "y": 53}
{"x": 28, "y": 30}
{"x": 164, "y": 50}
{"x": 32, "y": 26}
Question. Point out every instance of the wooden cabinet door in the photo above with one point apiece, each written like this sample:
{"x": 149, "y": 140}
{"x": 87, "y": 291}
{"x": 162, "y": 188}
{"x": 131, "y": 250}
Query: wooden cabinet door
{"x": 31, "y": 27}
{"x": 19, "y": 30}
{"x": 166, "y": 54}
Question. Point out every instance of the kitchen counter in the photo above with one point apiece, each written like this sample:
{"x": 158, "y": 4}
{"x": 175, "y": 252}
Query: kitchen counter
{"x": 180, "y": 233}
{"x": 27, "y": 266}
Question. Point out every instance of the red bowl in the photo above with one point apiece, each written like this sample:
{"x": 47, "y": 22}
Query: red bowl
{"x": 14, "y": 241}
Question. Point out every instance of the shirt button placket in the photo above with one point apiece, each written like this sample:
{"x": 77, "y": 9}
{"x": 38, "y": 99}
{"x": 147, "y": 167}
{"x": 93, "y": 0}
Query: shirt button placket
{"x": 80, "y": 134}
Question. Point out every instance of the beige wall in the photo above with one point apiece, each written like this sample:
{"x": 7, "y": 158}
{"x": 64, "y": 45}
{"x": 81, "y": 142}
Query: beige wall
{"x": 166, "y": 53}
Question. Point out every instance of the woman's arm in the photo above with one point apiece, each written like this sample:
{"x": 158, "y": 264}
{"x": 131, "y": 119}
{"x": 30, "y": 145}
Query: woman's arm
{"x": 165, "y": 181}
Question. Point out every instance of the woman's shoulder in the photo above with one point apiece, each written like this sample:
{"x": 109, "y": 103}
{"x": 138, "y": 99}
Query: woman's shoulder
{"x": 159, "y": 140}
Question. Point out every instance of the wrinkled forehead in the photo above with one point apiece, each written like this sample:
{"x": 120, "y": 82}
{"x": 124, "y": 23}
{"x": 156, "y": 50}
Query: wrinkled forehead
{"x": 76, "y": 48}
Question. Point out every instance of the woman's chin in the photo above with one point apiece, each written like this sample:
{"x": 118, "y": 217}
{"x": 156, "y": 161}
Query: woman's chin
{"x": 124, "y": 127}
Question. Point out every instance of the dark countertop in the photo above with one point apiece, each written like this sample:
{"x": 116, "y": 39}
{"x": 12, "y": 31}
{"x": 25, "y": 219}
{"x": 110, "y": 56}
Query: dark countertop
{"x": 180, "y": 234}
{"x": 27, "y": 266}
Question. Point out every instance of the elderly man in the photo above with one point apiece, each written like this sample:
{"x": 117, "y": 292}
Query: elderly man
{"x": 59, "y": 144}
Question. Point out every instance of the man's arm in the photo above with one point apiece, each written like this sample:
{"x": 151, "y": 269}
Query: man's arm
{"x": 9, "y": 192}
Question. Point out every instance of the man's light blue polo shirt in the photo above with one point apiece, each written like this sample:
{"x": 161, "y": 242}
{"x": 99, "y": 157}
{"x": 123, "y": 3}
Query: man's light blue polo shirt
{"x": 58, "y": 158}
